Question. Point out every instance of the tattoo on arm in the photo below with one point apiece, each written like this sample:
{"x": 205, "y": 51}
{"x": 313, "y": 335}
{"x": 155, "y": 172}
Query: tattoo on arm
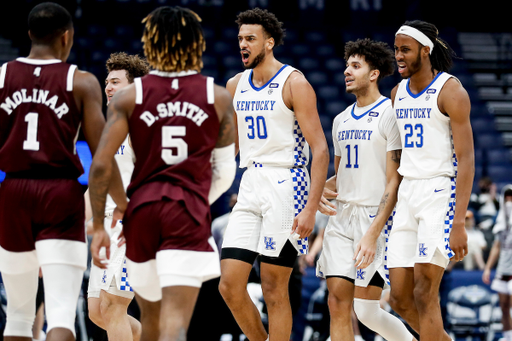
{"x": 383, "y": 202}
{"x": 396, "y": 155}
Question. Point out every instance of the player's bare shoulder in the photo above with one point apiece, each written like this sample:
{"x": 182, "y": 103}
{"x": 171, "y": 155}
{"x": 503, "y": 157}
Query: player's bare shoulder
{"x": 233, "y": 83}
{"x": 453, "y": 95}
{"x": 85, "y": 87}
{"x": 297, "y": 88}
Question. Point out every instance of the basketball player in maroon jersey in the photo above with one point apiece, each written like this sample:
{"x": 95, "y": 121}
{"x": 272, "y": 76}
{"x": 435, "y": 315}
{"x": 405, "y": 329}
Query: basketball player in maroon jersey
{"x": 43, "y": 103}
{"x": 178, "y": 121}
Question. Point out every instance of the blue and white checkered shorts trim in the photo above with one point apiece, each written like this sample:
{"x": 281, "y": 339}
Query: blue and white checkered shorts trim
{"x": 300, "y": 198}
{"x": 298, "y": 150}
{"x": 448, "y": 222}
{"x": 387, "y": 231}
{"x": 125, "y": 285}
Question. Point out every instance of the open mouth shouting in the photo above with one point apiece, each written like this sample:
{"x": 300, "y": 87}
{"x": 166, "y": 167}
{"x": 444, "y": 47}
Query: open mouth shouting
{"x": 245, "y": 56}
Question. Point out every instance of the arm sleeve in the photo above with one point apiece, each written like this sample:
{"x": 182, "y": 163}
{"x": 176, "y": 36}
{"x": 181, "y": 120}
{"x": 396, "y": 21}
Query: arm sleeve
{"x": 389, "y": 130}
{"x": 223, "y": 171}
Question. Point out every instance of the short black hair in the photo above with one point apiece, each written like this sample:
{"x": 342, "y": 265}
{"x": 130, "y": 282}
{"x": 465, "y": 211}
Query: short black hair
{"x": 271, "y": 26}
{"x": 376, "y": 53}
{"x": 47, "y": 21}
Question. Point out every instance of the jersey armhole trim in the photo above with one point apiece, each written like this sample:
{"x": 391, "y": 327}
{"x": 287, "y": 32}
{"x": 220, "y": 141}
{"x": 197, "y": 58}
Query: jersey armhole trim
{"x": 2, "y": 75}
{"x": 69, "y": 80}
{"x": 210, "y": 95}
{"x": 138, "y": 90}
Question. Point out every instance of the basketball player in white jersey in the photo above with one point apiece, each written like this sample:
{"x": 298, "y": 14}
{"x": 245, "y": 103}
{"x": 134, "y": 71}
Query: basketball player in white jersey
{"x": 109, "y": 292}
{"x": 275, "y": 213}
{"x": 367, "y": 155}
{"x": 432, "y": 111}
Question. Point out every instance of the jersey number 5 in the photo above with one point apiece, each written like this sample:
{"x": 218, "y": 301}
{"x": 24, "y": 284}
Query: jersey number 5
{"x": 175, "y": 149}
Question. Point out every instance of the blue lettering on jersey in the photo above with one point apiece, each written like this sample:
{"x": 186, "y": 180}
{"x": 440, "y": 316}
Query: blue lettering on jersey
{"x": 255, "y": 105}
{"x": 121, "y": 150}
{"x": 411, "y": 113}
{"x": 355, "y": 134}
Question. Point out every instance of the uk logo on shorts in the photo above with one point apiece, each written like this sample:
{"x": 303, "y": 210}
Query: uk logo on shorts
{"x": 104, "y": 277}
{"x": 360, "y": 274}
{"x": 270, "y": 244}
{"x": 423, "y": 250}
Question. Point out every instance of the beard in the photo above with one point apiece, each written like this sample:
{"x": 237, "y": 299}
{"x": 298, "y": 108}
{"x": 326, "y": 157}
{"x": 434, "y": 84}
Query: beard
{"x": 257, "y": 60}
{"x": 414, "y": 67}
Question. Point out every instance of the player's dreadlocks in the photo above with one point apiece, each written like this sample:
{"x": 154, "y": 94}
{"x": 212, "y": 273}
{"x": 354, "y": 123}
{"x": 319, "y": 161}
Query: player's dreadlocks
{"x": 442, "y": 54}
{"x": 173, "y": 39}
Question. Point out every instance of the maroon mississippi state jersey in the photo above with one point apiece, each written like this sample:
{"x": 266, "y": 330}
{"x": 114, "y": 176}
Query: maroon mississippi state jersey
{"x": 39, "y": 119}
{"x": 173, "y": 128}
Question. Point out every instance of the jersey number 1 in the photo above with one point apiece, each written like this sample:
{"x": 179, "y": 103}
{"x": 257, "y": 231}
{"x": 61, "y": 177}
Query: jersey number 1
{"x": 31, "y": 142}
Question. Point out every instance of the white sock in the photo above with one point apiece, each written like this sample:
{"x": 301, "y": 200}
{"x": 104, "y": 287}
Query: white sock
{"x": 380, "y": 321}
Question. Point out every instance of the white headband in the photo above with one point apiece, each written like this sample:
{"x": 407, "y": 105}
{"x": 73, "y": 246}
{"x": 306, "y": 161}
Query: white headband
{"x": 416, "y": 34}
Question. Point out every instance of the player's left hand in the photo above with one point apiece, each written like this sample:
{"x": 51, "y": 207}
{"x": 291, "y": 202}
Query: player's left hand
{"x": 100, "y": 239}
{"x": 304, "y": 223}
{"x": 364, "y": 253}
{"x": 459, "y": 242}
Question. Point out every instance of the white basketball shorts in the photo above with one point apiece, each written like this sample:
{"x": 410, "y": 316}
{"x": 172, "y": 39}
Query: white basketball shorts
{"x": 422, "y": 223}
{"x": 102, "y": 279}
{"x": 343, "y": 232}
{"x": 269, "y": 198}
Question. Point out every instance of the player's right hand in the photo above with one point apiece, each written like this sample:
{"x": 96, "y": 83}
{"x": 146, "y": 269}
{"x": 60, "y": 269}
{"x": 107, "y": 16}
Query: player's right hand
{"x": 100, "y": 239}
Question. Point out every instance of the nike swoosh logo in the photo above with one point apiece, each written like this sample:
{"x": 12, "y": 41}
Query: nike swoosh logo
{"x": 402, "y": 98}
{"x": 346, "y": 120}
{"x": 281, "y": 181}
{"x": 242, "y": 91}
{"x": 373, "y": 216}
{"x": 438, "y": 190}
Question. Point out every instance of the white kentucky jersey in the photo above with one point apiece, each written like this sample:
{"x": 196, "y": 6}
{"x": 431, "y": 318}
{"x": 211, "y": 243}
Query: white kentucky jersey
{"x": 124, "y": 159}
{"x": 425, "y": 131}
{"x": 268, "y": 131}
{"x": 362, "y": 137}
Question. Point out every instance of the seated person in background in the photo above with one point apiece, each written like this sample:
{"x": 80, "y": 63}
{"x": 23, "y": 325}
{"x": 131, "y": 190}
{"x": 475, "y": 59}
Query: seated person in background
{"x": 502, "y": 249}
{"x": 476, "y": 244}
{"x": 485, "y": 204}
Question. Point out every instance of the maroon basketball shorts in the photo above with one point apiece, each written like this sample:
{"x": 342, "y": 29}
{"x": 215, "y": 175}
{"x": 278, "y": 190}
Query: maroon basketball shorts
{"x": 163, "y": 225}
{"x": 42, "y": 214}
{"x": 33, "y": 210}
{"x": 166, "y": 247}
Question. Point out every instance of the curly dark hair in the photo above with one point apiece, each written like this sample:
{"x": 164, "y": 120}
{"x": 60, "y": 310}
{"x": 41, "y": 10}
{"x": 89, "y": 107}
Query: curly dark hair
{"x": 271, "y": 26}
{"x": 376, "y": 53}
{"x": 134, "y": 65}
{"x": 173, "y": 39}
